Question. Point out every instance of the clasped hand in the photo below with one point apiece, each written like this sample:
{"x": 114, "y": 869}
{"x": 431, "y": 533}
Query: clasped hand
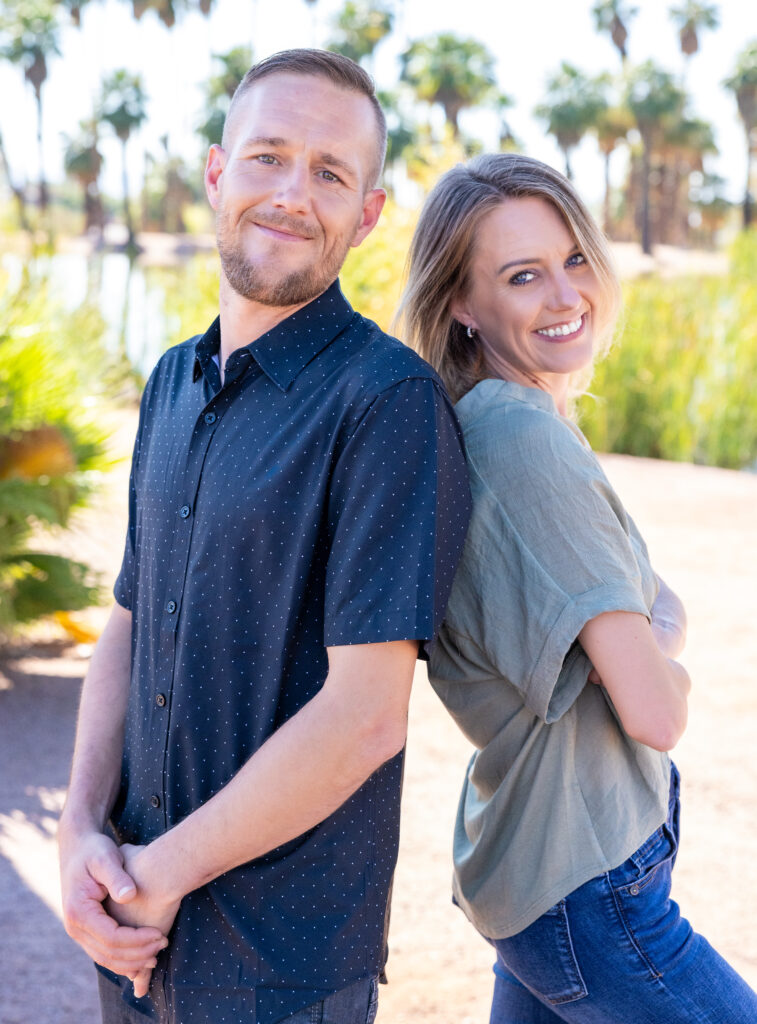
{"x": 109, "y": 908}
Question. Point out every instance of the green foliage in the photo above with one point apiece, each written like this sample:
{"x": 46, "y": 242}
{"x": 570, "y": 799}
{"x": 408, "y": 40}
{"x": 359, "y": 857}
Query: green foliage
{"x": 372, "y": 276}
{"x": 454, "y": 72}
{"x": 52, "y": 369}
{"x": 679, "y": 383}
{"x": 360, "y": 26}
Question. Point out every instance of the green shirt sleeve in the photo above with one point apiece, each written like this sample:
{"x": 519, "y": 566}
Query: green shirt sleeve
{"x": 549, "y": 548}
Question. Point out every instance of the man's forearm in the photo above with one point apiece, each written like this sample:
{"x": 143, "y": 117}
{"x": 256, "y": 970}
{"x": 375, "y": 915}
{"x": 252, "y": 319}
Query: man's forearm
{"x": 303, "y": 773}
{"x": 96, "y": 766}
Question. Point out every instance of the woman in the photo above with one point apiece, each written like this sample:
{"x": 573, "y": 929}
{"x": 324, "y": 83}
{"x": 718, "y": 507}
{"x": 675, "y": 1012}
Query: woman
{"x": 557, "y": 654}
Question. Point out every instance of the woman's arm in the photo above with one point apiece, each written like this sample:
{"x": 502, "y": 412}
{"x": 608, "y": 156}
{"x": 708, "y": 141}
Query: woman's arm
{"x": 647, "y": 688}
{"x": 668, "y": 621}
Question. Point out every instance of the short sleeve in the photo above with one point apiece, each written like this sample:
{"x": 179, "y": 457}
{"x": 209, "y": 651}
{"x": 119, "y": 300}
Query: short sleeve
{"x": 123, "y": 589}
{"x": 549, "y": 549}
{"x": 398, "y": 510}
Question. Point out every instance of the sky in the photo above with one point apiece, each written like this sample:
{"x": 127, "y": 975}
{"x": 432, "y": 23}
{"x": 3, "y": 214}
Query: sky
{"x": 528, "y": 40}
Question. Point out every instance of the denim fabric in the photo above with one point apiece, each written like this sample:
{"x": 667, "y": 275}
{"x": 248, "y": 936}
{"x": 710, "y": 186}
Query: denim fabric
{"x": 617, "y": 951}
{"x": 356, "y": 1004}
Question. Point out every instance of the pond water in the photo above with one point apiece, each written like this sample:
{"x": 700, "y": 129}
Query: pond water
{"x": 130, "y": 297}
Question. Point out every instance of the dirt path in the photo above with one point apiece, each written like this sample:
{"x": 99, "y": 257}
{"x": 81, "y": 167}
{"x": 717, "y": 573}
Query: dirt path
{"x": 700, "y": 526}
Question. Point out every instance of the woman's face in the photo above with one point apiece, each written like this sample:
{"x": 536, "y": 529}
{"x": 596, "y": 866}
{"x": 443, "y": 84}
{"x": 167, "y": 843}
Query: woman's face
{"x": 532, "y": 296}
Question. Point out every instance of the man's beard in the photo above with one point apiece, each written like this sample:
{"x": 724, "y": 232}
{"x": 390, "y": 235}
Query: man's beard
{"x": 292, "y": 289}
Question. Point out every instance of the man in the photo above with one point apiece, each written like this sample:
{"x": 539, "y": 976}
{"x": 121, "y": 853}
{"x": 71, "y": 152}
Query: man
{"x": 298, "y": 503}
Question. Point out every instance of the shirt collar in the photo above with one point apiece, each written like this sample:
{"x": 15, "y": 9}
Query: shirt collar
{"x": 284, "y": 351}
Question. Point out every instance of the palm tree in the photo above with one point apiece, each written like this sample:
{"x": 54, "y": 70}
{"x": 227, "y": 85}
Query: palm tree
{"x": 401, "y": 133}
{"x": 683, "y": 147}
{"x": 573, "y": 104}
{"x": 360, "y": 27}
{"x": 220, "y": 88}
{"x": 691, "y": 18}
{"x": 655, "y": 101}
{"x": 743, "y": 83}
{"x": 611, "y": 128}
{"x": 613, "y": 16}
{"x": 169, "y": 10}
{"x": 74, "y": 8}
{"x": 123, "y": 108}
{"x": 83, "y": 161}
{"x": 455, "y": 73}
{"x": 16, "y": 190}
{"x": 30, "y": 31}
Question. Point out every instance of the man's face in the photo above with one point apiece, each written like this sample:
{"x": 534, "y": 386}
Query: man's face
{"x": 291, "y": 188}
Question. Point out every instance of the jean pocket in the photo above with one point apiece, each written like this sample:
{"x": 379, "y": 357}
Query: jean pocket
{"x": 641, "y": 888}
{"x": 373, "y": 1002}
{"x": 543, "y": 959}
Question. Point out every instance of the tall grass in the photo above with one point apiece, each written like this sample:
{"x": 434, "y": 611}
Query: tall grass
{"x": 679, "y": 382}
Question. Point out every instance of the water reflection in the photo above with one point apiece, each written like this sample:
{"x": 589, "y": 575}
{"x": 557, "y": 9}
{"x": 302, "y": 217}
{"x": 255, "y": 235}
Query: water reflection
{"x": 131, "y": 297}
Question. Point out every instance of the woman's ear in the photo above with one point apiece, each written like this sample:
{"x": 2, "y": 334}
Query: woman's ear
{"x": 460, "y": 311}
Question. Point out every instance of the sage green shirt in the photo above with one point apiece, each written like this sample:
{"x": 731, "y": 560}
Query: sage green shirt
{"x": 556, "y": 792}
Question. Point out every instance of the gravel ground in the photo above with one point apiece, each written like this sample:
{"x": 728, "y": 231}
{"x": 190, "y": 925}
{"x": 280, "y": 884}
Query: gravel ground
{"x": 700, "y": 526}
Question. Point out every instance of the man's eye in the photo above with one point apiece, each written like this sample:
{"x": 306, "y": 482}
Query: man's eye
{"x": 329, "y": 176}
{"x": 266, "y": 158}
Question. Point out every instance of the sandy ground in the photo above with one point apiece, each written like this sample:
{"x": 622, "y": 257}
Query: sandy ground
{"x": 700, "y": 526}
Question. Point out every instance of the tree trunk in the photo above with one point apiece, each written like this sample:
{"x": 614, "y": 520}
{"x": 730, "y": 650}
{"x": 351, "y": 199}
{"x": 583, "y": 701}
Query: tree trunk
{"x": 44, "y": 197}
{"x": 131, "y": 240}
{"x": 18, "y": 193}
{"x": 748, "y": 192}
{"x": 646, "y": 239}
{"x": 606, "y": 202}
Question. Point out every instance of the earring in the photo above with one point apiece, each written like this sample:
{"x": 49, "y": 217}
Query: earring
{"x": 470, "y": 332}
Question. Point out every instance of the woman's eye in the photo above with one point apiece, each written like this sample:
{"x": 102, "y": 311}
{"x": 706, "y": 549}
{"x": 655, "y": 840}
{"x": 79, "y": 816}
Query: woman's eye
{"x": 576, "y": 260}
{"x": 522, "y": 277}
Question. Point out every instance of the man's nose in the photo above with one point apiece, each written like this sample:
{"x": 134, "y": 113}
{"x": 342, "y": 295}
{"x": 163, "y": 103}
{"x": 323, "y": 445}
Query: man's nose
{"x": 293, "y": 193}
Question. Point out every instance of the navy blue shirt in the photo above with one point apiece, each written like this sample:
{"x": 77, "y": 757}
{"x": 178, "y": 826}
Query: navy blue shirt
{"x": 319, "y": 497}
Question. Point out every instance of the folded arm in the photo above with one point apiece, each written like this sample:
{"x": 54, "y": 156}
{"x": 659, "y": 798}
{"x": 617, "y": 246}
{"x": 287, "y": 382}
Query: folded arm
{"x": 647, "y": 688}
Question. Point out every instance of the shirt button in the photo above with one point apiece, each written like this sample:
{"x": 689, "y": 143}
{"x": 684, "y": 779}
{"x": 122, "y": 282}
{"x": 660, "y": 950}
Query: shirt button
{"x": 171, "y": 607}
{"x": 155, "y": 800}
{"x": 160, "y": 700}
{"x": 210, "y": 417}
{"x": 185, "y": 511}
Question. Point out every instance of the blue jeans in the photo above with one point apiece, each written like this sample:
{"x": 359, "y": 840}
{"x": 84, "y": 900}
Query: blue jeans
{"x": 617, "y": 951}
{"x": 356, "y": 1004}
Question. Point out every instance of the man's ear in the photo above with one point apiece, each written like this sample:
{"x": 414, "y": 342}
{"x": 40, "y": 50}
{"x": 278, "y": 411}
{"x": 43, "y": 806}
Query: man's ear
{"x": 373, "y": 204}
{"x": 214, "y": 167}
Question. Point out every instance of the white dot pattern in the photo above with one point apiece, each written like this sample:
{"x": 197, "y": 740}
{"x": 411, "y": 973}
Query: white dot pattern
{"x": 319, "y": 497}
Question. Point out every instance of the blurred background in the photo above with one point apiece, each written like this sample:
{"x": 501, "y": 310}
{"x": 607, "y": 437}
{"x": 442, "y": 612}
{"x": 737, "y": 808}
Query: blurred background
{"x": 107, "y": 257}
{"x": 107, "y": 242}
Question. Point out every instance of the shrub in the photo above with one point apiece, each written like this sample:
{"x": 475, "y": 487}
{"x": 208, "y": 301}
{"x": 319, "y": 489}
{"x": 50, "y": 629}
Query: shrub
{"x": 51, "y": 449}
{"x": 678, "y": 383}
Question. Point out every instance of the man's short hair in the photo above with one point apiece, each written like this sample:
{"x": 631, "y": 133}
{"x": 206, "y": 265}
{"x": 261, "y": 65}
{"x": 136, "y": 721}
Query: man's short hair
{"x": 336, "y": 68}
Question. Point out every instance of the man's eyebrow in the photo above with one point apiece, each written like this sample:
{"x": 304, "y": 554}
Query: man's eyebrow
{"x": 335, "y": 161}
{"x": 263, "y": 140}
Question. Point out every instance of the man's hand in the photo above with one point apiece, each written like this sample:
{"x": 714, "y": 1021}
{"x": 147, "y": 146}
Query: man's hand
{"x": 146, "y": 907}
{"x": 92, "y": 870}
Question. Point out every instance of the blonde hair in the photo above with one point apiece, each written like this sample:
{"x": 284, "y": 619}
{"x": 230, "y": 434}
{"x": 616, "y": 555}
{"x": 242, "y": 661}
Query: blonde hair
{"x": 441, "y": 252}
